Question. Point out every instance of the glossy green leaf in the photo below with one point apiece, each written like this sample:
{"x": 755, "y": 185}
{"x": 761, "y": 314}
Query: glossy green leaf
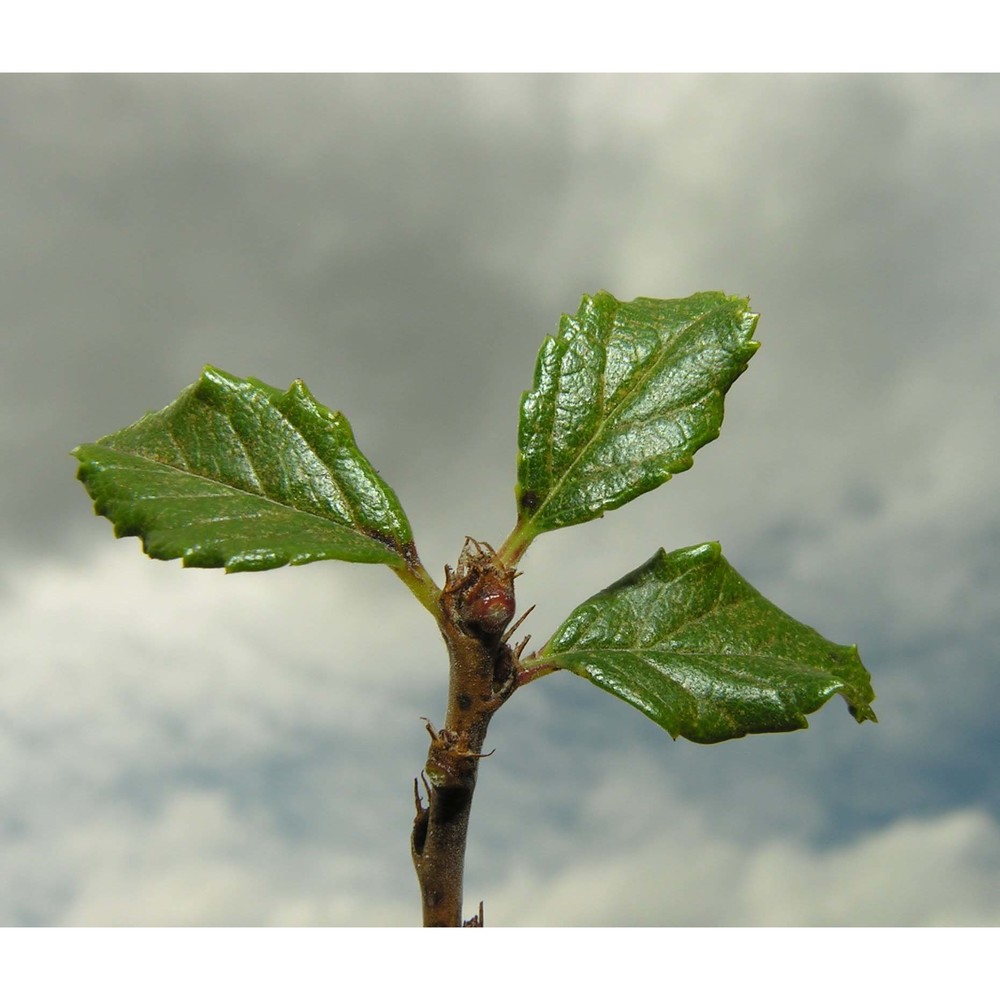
{"x": 688, "y": 641}
{"x": 236, "y": 473}
{"x": 623, "y": 397}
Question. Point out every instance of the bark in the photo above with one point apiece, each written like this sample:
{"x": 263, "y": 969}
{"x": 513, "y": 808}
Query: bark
{"x": 477, "y": 604}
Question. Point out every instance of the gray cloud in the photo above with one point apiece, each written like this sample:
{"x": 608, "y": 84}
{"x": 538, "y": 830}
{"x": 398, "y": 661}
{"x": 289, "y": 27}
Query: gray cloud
{"x": 241, "y": 748}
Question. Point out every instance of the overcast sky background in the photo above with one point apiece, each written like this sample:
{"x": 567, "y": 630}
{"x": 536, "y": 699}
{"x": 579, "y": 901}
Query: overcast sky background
{"x": 182, "y": 747}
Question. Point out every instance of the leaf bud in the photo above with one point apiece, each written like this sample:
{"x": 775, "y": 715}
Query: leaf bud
{"x": 481, "y": 590}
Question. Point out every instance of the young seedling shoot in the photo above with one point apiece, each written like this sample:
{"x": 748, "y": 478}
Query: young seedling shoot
{"x": 240, "y": 475}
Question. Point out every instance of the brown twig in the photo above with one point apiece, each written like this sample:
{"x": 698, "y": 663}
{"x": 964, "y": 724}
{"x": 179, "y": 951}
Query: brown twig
{"x": 477, "y": 604}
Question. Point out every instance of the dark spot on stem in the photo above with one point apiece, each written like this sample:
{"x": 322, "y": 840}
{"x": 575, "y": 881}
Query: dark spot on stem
{"x": 450, "y": 803}
{"x": 464, "y": 701}
{"x": 503, "y": 667}
{"x": 420, "y": 832}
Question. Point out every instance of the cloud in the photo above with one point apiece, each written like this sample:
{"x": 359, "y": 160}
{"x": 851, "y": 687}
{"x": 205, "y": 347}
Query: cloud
{"x": 199, "y": 861}
{"x": 160, "y": 724}
{"x": 115, "y": 650}
{"x": 404, "y": 244}
{"x": 182, "y": 747}
{"x": 682, "y": 871}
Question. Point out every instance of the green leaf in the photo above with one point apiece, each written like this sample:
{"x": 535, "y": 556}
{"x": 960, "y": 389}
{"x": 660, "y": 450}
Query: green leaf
{"x": 688, "y": 641}
{"x": 236, "y": 473}
{"x": 623, "y": 398}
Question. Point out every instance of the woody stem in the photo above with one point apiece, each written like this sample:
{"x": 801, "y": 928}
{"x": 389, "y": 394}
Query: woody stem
{"x": 482, "y": 676}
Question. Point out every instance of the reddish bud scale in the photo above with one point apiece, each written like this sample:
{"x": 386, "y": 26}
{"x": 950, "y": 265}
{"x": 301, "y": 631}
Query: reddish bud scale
{"x": 489, "y": 609}
{"x": 482, "y": 590}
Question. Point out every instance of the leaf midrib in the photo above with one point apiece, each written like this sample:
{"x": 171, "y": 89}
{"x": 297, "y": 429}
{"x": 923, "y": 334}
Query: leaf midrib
{"x": 166, "y": 469}
{"x": 639, "y": 652}
{"x": 627, "y": 398}
{"x": 643, "y": 688}
{"x": 273, "y": 401}
{"x": 286, "y": 420}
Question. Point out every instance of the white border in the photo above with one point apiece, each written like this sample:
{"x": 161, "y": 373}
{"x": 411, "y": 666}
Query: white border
{"x": 452, "y": 36}
{"x": 266, "y": 963}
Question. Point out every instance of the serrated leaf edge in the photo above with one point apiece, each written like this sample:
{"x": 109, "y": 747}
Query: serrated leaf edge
{"x": 401, "y": 555}
{"x": 545, "y": 661}
{"x": 88, "y": 467}
{"x": 564, "y": 337}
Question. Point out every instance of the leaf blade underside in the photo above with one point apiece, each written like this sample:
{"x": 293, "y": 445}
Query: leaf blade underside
{"x": 687, "y": 641}
{"x": 623, "y": 396}
{"x": 238, "y": 474}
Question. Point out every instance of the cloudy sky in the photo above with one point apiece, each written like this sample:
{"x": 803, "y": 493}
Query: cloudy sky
{"x": 182, "y": 747}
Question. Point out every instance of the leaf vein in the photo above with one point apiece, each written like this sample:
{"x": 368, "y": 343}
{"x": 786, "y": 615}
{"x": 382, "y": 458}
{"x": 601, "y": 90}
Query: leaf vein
{"x": 638, "y": 383}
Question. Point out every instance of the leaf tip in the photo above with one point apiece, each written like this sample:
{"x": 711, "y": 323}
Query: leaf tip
{"x": 748, "y": 325}
{"x": 704, "y": 552}
{"x": 213, "y": 385}
{"x": 862, "y": 713}
{"x": 299, "y": 390}
{"x": 210, "y": 373}
{"x": 860, "y": 707}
